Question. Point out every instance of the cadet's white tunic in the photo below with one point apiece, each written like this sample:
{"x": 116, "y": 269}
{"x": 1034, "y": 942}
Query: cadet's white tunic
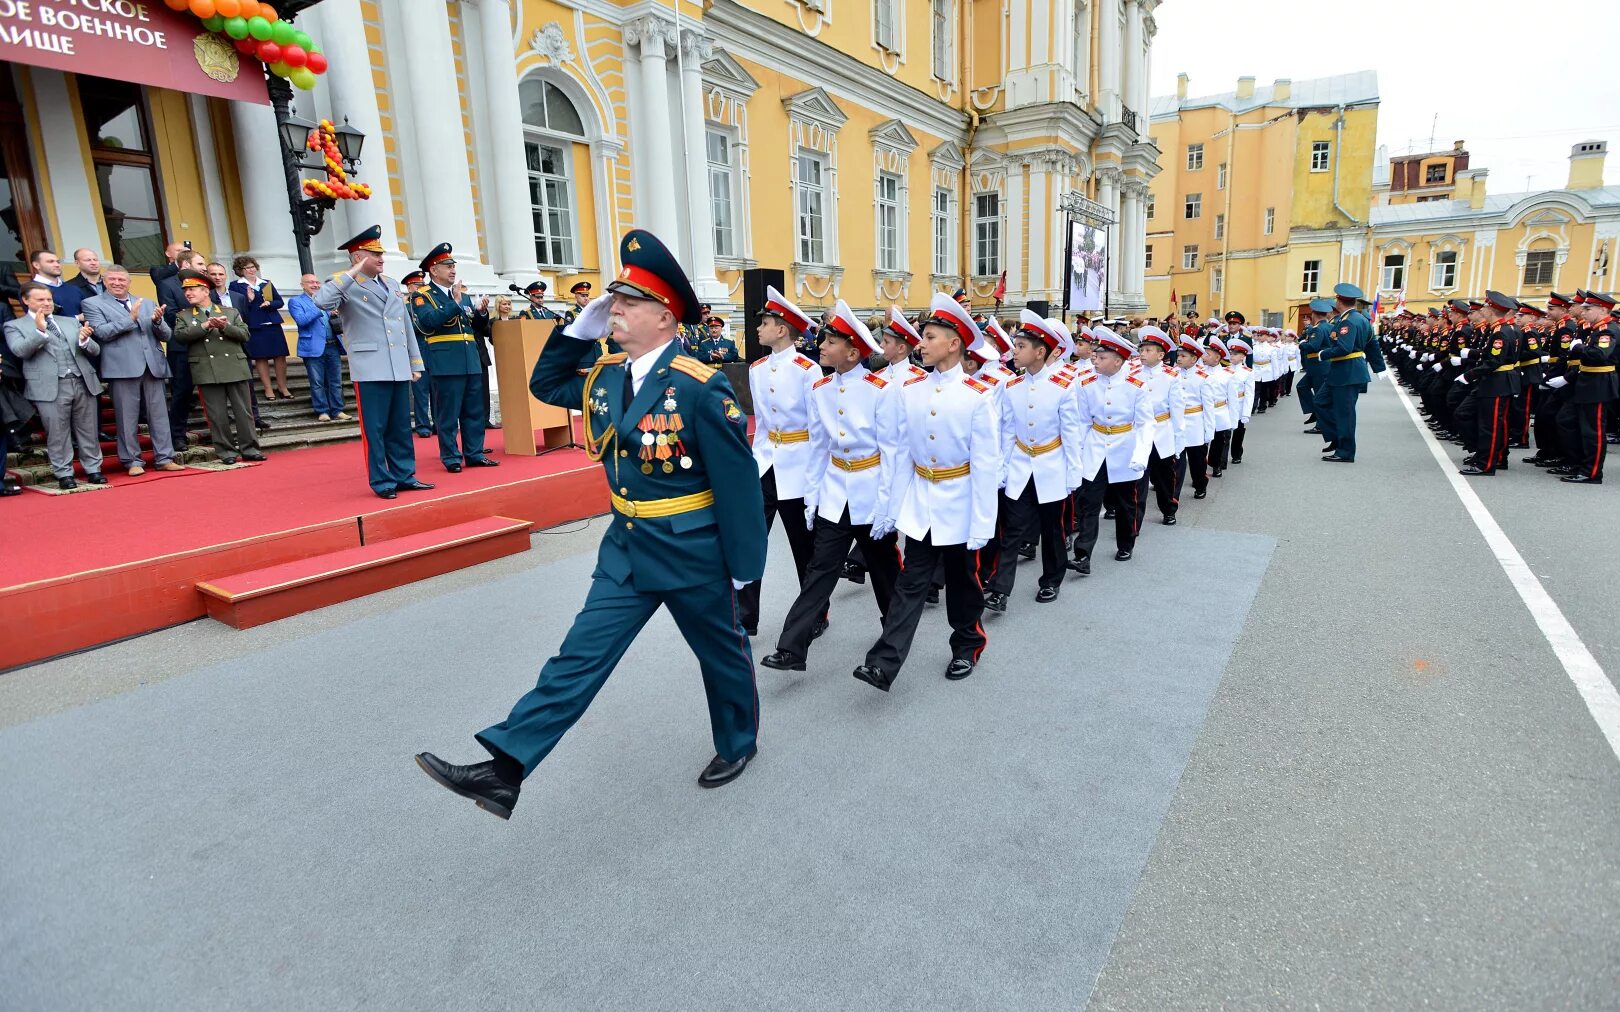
{"x": 949, "y": 423}
{"x": 854, "y": 424}
{"x": 780, "y": 383}
{"x": 1198, "y": 410}
{"x": 1116, "y": 416}
{"x": 1041, "y": 435}
{"x": 1169, "y": 403}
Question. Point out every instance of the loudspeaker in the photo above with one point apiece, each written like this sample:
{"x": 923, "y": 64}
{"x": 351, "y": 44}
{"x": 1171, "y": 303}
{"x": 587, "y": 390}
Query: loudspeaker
{"x": 753, "y": 286}
{"x": 1041, "y": 307}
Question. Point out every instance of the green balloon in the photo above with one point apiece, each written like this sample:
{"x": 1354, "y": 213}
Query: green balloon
{"x": 302, "y": 77}
{"x": 302, "y": 40}
{"x": 236, "y": 28}
{"x": 214, "y": 23}
{"x": 281, "y": 33}
{"x": 258, "y": 27}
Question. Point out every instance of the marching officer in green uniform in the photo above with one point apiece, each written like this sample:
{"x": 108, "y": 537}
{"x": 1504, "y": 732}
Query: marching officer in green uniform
{"x": 1345, "y": 349}
{"x": 688, "y": 526}
{"x": 1313, "y": 368}
{"x": 445, "y": 318}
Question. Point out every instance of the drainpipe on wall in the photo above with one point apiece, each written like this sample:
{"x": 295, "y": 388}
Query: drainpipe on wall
{"x": 1338, "y": 149}
{"x": 1226, "y": 232}
{"x": 965, "y": 212}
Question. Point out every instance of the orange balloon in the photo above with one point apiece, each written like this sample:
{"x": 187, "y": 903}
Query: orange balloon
{"x": 227, "y": 8}
{"x": 268, "y": 13}
{"x": 203, "y": 8}
{"x": 177, "y": 5}
{"x": 247, "y": 9}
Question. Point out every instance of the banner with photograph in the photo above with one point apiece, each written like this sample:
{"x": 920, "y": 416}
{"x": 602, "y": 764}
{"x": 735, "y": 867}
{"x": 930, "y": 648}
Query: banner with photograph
{"x": 1088, "y": 268}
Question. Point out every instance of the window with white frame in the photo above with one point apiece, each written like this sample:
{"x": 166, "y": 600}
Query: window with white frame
{"x": 886, "y": 24}
{"x": 1220, "y": 176}
{"x": 1538, "y": 267}
{"x": 1189, "y": 304}
{"x": 722, "y": 192}
{"x": 1220, "y": 226}
{"x": 1216, "y": 276}
{"x": 1271, "y": 220}
{"x": 1195, "y": 157}
{"x": 943, "y": 218}
{"x": 887, "y": 206}
{"x": 986, "y": 234}
{"x": 551, "y": 126}
{"x": 1443, "y": 272}
{"x": 1080, "y": 38}
{"x": 1193, "y": 207}
{"x": 810, "y": 204}
{"x": 1311, "y": 278}
{"x": 944, "y": 30}
{"x": 1147, "y": 257}
{"x": 1394, "y": 273}
{"x": 1152, "y": 206}
{"x": 1321, "y": 151}
{"x": 1189, "y": 257}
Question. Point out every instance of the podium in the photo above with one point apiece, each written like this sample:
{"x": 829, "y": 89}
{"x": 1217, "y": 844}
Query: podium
{"x": 530, "y": 426}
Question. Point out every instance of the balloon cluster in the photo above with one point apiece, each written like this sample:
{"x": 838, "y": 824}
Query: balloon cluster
{"x": 336, "y": 186}
{"x": 256, "y": 30}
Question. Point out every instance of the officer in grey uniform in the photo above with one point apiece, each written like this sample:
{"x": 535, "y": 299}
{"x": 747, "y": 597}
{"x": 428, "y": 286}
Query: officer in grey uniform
{"x": 383, "y": 359}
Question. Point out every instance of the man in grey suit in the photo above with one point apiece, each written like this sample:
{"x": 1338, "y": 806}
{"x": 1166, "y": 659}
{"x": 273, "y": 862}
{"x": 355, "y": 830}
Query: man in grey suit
{"x": 134, "y": 365}
{"x": 61, "y": 381}
{"x": 383, "y": 359}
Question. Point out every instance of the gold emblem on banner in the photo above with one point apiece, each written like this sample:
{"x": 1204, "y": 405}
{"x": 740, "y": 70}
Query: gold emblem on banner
{"x": 216, "y": 57}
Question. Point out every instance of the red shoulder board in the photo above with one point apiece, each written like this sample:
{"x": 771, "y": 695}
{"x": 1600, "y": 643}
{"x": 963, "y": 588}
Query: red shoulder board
{"x": 916, "y": 379}
{"x": 874, "y": 379}
{"x": 973, "y": 382}
{"x": 759, "y": 362}
{"x": 1015, "y": 381}
{"x": 803, "y": 363}
{"x": 1136, "y": 381}
{"x": 1063, "y": 380}
{"x": 1089, "y": 379}
{"x": 823, "y": 381}
{"x": 992, "y": 380}
{"x": 1170, "y": 370}
{"x": 1200, "y": 371}
{"x": 917, "y": 370}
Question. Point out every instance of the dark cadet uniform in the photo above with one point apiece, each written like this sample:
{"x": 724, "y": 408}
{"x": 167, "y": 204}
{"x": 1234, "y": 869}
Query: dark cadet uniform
{"x": 1344, "y": 348}
{"x": 422, "y": 388}
{"x": 1595, "y": 389}
{"x": 448, "y": 332}
{"x": 687, "y": 527}
{"x": 1495, "y": 380}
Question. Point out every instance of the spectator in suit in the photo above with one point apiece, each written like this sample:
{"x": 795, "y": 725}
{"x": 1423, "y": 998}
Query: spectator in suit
{"x": 321, "y": 350}
{"x": 129, "y": 330}
{"x": 89, "y": 282}
{"x": 15, "y": 408}
{"x": 48, "y": 272}
{"x": 60, "y": 379}
{"x": 171, "y": 263}
{"x": 223, "y": 297}
{"x": 182, "y": 393}
{"x": 260, "y": 305}
{"x": 215, "y": 339}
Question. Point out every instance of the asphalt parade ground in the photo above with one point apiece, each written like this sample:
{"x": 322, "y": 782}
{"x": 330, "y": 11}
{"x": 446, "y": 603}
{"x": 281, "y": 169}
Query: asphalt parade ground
{"x": 1321, "y": 745}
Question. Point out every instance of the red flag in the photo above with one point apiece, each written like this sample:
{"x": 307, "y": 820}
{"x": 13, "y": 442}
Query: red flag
{"x": 1001, "y": 289}
{"x": 1173, "y": 302}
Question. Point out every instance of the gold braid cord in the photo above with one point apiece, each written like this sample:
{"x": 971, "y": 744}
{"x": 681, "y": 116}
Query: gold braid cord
{"x": 594, "y": 448}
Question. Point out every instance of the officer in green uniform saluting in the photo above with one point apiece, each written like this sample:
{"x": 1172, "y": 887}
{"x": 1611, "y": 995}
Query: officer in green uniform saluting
{"x": 1345, "y": 349}
{"x": 688, "y": 526}
{"x": 445, "y": 319}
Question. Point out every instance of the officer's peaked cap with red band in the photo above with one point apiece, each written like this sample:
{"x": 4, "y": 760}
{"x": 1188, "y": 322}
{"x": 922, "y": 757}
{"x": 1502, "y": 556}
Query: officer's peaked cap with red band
{"x": 649, "y": 271}
{"x": 439, "y": 254}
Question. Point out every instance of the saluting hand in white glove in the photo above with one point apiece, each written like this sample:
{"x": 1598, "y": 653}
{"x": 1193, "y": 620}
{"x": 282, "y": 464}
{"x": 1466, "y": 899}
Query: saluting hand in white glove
{"x": 592, "y": 323}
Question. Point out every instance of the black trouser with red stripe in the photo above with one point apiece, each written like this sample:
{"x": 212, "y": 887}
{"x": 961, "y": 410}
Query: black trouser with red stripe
{"x": 1492, "y": 442}
{"x": 1023, "y": 519}
{"x": 1519, "y": 416}
{"x": 1194, "y": 460}
{"x": 1220, "y": 446}
{"x": 1162, "y": 475}
{"x": 832, "y": 543}
{"x": 964, "y": 604}
{"x": 799, "y": 538}
{"x": 1123, "y": 497}
{"x": 990, "y": 554}
{"x": 1592, "y": 445}
{"x": 1237, "y": 440}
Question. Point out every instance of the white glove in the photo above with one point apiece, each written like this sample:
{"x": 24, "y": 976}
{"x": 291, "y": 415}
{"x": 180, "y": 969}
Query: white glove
{"x": 1137, "y": 467}
{"x": 882, "y": 527}
{"x": 1558, "y": 382}
{"x": 810, "y": 516}
{"x": 974, "y": 544}
{"x": 1463, "y": 379}
{"x": 1575, "y": 344}
{"x": 1466, "y": 352}
{"x": 592, "y": 324}
{"x": 1439, "y": 365}
{"x": 737, "y": 584}
{"x": 1455, "y": 360}
{"x": 1546, "y": 358}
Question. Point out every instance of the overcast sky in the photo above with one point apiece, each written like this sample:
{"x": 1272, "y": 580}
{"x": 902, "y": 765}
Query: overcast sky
{"x": 1519, "y": 82}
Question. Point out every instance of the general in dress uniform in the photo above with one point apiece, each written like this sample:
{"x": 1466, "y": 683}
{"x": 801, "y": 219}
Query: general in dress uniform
{"x": 687, "y": 529}
{"x": 383, "y": 360}
{"x": 448, "y": 323}
{"x": 215, "y": 339}
{"x": 1345, "y": 349}
{"x": 1116, "y": 419}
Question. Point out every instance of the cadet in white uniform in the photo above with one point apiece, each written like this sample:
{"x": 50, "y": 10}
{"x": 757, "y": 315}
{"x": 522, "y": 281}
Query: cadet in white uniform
{"x": 1198, "y": 425}
{"x": 947, "y": 465}
{"x": 1169, "y": 417}
{"x": 1244, "y": 395}
{"x": 1220, "y": 380}
{"x": 1116, "y": 416}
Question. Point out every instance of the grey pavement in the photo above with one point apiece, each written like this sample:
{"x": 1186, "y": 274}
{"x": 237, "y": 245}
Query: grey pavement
{"x": 1306, "y": 750}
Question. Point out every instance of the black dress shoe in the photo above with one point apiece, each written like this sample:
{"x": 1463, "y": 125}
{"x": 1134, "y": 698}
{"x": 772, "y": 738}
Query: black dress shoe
{"x": 995, "y": 602}
{"x": 1336, "y": 459}
{"x": 1109, "y": 514}
{"x": 1026, "y": 552}
{"x": 1562, "y": 470}
{"x": 1123, "y": 555}
{"x": 1170, "y": 521}
{"x": 1313, "y": 431}
{"x": 415, "y": 486}
{"x": 781, "y": 660}
{"x": 1082, "y": 565}
{"x": 453, "y": 468}
{"x": 819, "y": 628}
{"x": 96, "y": 478}
{"x": 1472, "y": 471}
{"x": 478, "y": 782}
{"x": 66, "y": 484}
{"x": 227, "y": 460}
{"x": 854, "y": 572}
{"x": 720, "y": 771}
{"x": 1237, "y": 460}
{"x": 8, "y": 489}
{"x": 422, "y": 433}
{"x": 390, "y": 494}
{"x": 752, "y": 632}
{"x": 1215, "y": 472}
{"x": 253, "y": 455}
{"x": 482, "y": 462}
{"x": 262, "y": 426}
{"x": 1538, "y": 460}
{"x": 1201, "y": 493}
{"x": 1046, "y": 595}
{"x": 1580, "y": 479}
{"x": 958, "y": 669}
{"x": 933, "y": 596}
{"x": 874, "y": 677}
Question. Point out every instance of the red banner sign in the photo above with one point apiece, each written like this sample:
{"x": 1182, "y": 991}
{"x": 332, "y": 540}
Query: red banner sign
{"x": 129, "y": 40}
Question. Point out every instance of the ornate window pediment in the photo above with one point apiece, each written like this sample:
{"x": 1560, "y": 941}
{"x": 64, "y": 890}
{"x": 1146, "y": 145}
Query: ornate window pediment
{"x": 947, "y": 155}
{"x": 814, "y": 106}
{"x": 723, "y": 73}
{"x": 893, "y": 134}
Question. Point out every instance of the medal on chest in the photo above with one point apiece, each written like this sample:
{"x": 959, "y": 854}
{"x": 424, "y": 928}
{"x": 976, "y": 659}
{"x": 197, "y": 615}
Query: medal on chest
{"x": 661, "y": 438}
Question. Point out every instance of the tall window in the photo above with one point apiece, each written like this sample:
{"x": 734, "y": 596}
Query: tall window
{"x": 812, "y": 207}
{"x": 1443, "y": 272}
{"x": 1152, "y": 206}
{"x": 1147, "y": 259}
{"x": 1189, "y": 257}
{"x": 1220, "y": 176}
{"x": 1394, "y": 274}
{"x": 1320, "y": 152}
{"x": 1216, "y": 276}
{"x": 1195, "y": 157}
{"x": 1189, "y": 304}
{"x": 888, "y": 221}
{"x": 942, "y": 231}
{"x": 722, "y": 194}
{"x": 1220, "y": 226}
{"x": 1538, "y": 267}
{"x": 1271, "y": 220}
{"x": 1194, "y": 206}
{"x": 121, "y": 150}
{"x": 1311, "y": 279}
{"x": 986, "y": 234}
{"x": 943, "y": 29}
{"x": 551, "y": 127}
{"x": 886, "y": 22}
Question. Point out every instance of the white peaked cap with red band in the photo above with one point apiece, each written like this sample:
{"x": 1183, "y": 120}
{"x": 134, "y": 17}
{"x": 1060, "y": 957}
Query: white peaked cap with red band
{"x": 1218, "y": 345}
{"x": 1105, "y": 338}
{"x": 1238, "y": 344}
{"x": 776, "y": 304}
{"x": 1157, "y": 336}
{"x": 1190, "y": 343}
{"x": 1033, "y": 325}
{"x": 996, "y": 336}
{"x": 843, "y": 321}
{"x": 902, "y": 326}
{"x": 1060, "y": 330}
{"x": 946, "y": 311}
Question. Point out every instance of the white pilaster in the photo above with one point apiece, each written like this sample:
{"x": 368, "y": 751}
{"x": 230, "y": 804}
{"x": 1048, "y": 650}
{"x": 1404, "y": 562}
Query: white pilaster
{"x": 1108, "y": 59}
{"x": 202, "y": 130}
{"x": 1132, "y": 72}
{"x": 1130, "y": 247}
{"x": 264, "y": 194}
{"x": 507, "y": 217}
{"x": 654, "y": 205}
{"x": 1014, "y": 236}
{"x": 1108, "y": 180}
{"x": 700, "y": 210}
{"x": 1040, "y": 184}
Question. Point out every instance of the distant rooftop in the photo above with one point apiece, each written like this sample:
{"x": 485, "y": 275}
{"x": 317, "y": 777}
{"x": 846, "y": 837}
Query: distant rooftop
{"x": 1495, "y": 204}
{"x": 1359, "y": 88}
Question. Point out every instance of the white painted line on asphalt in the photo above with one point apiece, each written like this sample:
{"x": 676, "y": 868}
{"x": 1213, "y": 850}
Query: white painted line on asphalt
{"x": 1599, "y": 694}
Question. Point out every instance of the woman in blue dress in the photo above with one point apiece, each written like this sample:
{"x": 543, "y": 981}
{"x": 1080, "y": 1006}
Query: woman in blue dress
{"x": 260, "y": 305}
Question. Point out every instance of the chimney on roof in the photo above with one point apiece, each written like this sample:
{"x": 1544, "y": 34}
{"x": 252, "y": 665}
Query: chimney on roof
{"x": 1181, "y": 87}
{"x": 1282, "y": 89}
{"x": 1471, "y": 187}
{"x": 1245, "y": 88}
{"x": 1586, "y": 164}
{"x": 1458, "y": 145}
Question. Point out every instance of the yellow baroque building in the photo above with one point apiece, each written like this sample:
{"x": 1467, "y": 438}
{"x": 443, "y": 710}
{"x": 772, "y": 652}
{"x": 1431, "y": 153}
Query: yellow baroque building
{"x": 872, "y": 150}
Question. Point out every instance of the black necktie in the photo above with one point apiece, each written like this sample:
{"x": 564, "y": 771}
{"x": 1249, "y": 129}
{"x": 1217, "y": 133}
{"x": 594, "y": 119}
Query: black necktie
{"x": 629, "y": 387}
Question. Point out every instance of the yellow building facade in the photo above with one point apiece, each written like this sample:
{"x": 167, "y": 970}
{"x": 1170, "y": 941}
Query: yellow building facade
{"x": 874, "y": 151}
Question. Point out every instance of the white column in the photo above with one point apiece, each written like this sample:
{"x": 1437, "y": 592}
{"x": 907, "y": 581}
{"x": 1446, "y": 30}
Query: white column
{"x": 1130, "y": 285}
{"x": 1108, "y": 196}
{"x": 264, "y": 194}
{"x": 1131, "y": 75}
{"x": 1012, "y": 252}
{"x": 202, "y": 129}
{"x": 73, "y": 191}
{"x": 700, "y": 210}
{"x": 655, "y": 201}
{"x": 1108, "y": 59}
{"x": 1040, "y": 278}
{"x": 441, "y": 144}
{"x": 507, "y": 216}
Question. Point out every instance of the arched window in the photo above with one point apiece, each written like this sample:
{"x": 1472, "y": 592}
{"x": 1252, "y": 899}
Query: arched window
{"x": 551, "y": 128}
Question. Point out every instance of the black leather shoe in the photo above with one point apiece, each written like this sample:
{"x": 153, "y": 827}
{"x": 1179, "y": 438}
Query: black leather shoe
{"x": 453, "y": 468}
{"x": 478, "y": 782}
{"x": 1026, "y": 552}
{"x": 752, "y": 632}
{"x": 422, "y": 433}
{"x": 1109, "y": 514}
{"x": 1046, "y": 595}
{"x": 781, "y": 660}
{"x": 720, "y": 771}
{"x": 1215, "y": 472}
{"x": 253, "y": 455}
{"x": 96, "y": 478}
{"x": 1082, "y": 565}
{"x": 1561, "y": 470}
{"x": 1537, "y": 460}
{"x": 415, "y": 486}
{"x": 390, "y": 494}
{"x": 933, "y": 596}
{"x": 227, "y": 460}
{"x": 8, "y": 489}
{"x": 1580, "y": 479}
{"x": 482, "y": 462}
{"x": 1237, "y": 460}
{"x": 1170, "y": 521}
{"x": 995, "y": 602}
{"x": 1472, "y": 471}
{"x": 958, "y": 669}
{"x": 1201, "y": 493}
{"x": 854, "y": 573}
{"x": 66, "y": 484}
{"x": 1123, "y": 555}
{"x": 820, "y": 627}
{"x": 874, "y": 677}
{"x": 1334, "y": 458}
